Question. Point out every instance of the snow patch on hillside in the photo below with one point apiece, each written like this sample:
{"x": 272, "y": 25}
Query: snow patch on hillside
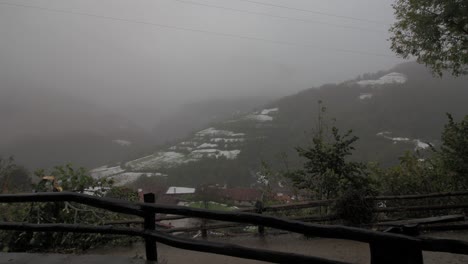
{"x": 180, "y": 148}
{"x": 267, "y": 111}
{"x": 215, "y": 132}
{"x": 227, "y": 140}
{"x": 128, "y": 177}
{"x": 203, "y": 144}
{"x": 230, "y": 154}
{"x": 261, "y": 118}
{"x": 157, "y": 160}
{"x": 215, "y": 153}
{"x": 390, "y": 78}
{"x": 419, "y": 145}
{"x": 105, "y": 171}
{"x": 207, "y": 145}
{"x": 122, "y": 142}
{"x": 188, "y": 143}
{"x": 365, "y": 96}
{"x": 400, "y": 139}
{"x": 384, "y": 133}
{"x": 171, "y": 159}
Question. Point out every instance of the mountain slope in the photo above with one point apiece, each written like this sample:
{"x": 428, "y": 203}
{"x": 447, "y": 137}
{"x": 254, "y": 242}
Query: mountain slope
{"x": 44, "y": 128}
{"x": 394, "y": 111}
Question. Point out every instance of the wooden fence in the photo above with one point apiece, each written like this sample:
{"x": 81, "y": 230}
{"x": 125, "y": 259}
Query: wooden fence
{"x": 322, "y": 218}
{"x": 384, "y": 247}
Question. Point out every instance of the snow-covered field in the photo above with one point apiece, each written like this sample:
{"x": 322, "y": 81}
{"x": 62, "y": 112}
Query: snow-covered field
{"x": 172, "y": 159}
{"x": 207, "y": 145}
{"x": 262, "y": 116}
{"x": 215, "y": 153}
{"x": 268, "y": 111}
{"x": 210, "y": 132}
{"x": 364, "y": 96}
{"x": 158, "y": 160}
{"x": 105, "y": 171}
{"x": 120, "y": 176}
{"x": 226, "y": 140}
{"x": 213, "y": 143}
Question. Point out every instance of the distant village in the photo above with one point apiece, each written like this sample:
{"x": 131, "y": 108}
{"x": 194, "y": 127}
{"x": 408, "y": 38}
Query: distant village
{"x": 216, "y": 197}
{"x": 237, "y": 196}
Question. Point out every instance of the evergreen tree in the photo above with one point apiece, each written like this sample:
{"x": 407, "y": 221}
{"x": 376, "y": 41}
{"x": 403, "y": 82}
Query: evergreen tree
{"x": 434, "y": 31}
{"x": 454, "y": 151}
{"x": 327, "y": 172}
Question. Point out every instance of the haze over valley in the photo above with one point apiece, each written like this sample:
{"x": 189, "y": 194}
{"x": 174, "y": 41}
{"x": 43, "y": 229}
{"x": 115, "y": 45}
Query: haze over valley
{"x": 84, "y": 83}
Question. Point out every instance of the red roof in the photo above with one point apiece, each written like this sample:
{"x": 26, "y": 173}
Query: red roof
{"x": 167, "y": 199}
{"x": 241, "y": 194}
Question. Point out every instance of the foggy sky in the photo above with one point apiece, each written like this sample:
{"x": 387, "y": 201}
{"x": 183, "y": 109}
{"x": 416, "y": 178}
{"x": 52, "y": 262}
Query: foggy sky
{"x": 126, "y": 63}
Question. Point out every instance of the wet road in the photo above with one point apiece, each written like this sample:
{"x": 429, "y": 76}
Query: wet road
{"x": 344, "y": 250}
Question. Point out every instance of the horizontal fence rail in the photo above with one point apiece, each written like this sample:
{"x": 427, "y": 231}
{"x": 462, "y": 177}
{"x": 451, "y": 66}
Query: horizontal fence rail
{"x": 324, "y": 203}
{"x": 420, "y": 208}
{"x": 139, "y": 208}
{"x": 420, "y": 196}
{"x": 388, "y": 241}
{"x": 178, "y": 242}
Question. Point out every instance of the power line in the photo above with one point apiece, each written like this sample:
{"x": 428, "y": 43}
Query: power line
{"x": 279, "y": 42}
{"x": 315, "y": 12}
{"x": 275, "y": 16}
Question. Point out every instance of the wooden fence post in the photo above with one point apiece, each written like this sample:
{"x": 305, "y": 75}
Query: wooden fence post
{"x": 391, "y": 253}
{"x": 259, "y": 210}
{"x": 204, "y": 231}
{"x": 388, "y": 253}
{"x": 150, "y": 224}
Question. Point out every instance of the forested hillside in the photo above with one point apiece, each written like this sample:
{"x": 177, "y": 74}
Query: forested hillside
{"x": 49, "y": 127}
{"x": 391, "y": 112}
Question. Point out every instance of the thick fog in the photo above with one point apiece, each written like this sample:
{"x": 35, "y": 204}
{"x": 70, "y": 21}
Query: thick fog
{"x": 165, "y": 52}
{"x": 79, "y": 74}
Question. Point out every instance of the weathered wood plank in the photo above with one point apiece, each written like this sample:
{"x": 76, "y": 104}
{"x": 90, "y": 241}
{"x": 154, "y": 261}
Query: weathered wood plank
{"x": 420, "y": 196}
{"x": 150, "y": 224}
{"x": 178, "y": 242}
{"x": 316, "y": 218}
{"x": 207, "y": 227}
{"x": 296, "y": 206}
{"x": 420, "y": 208}
{"x": 425, "y": 221}
{"x": 424, "y": 243}
{"x": 329, "y": 231}
{"x": 391, "y": 253}
{"x": 444, "y": 245}
{"x": 233, "y": 225}
{"x": 446, "y": 227}
{"x": 140, "y": 221}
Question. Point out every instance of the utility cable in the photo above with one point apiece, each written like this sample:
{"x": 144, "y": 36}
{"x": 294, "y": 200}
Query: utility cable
{"x": 276, "y": 16}
{"x": 314, "y": 12}
{"x": 279, "y": 42}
